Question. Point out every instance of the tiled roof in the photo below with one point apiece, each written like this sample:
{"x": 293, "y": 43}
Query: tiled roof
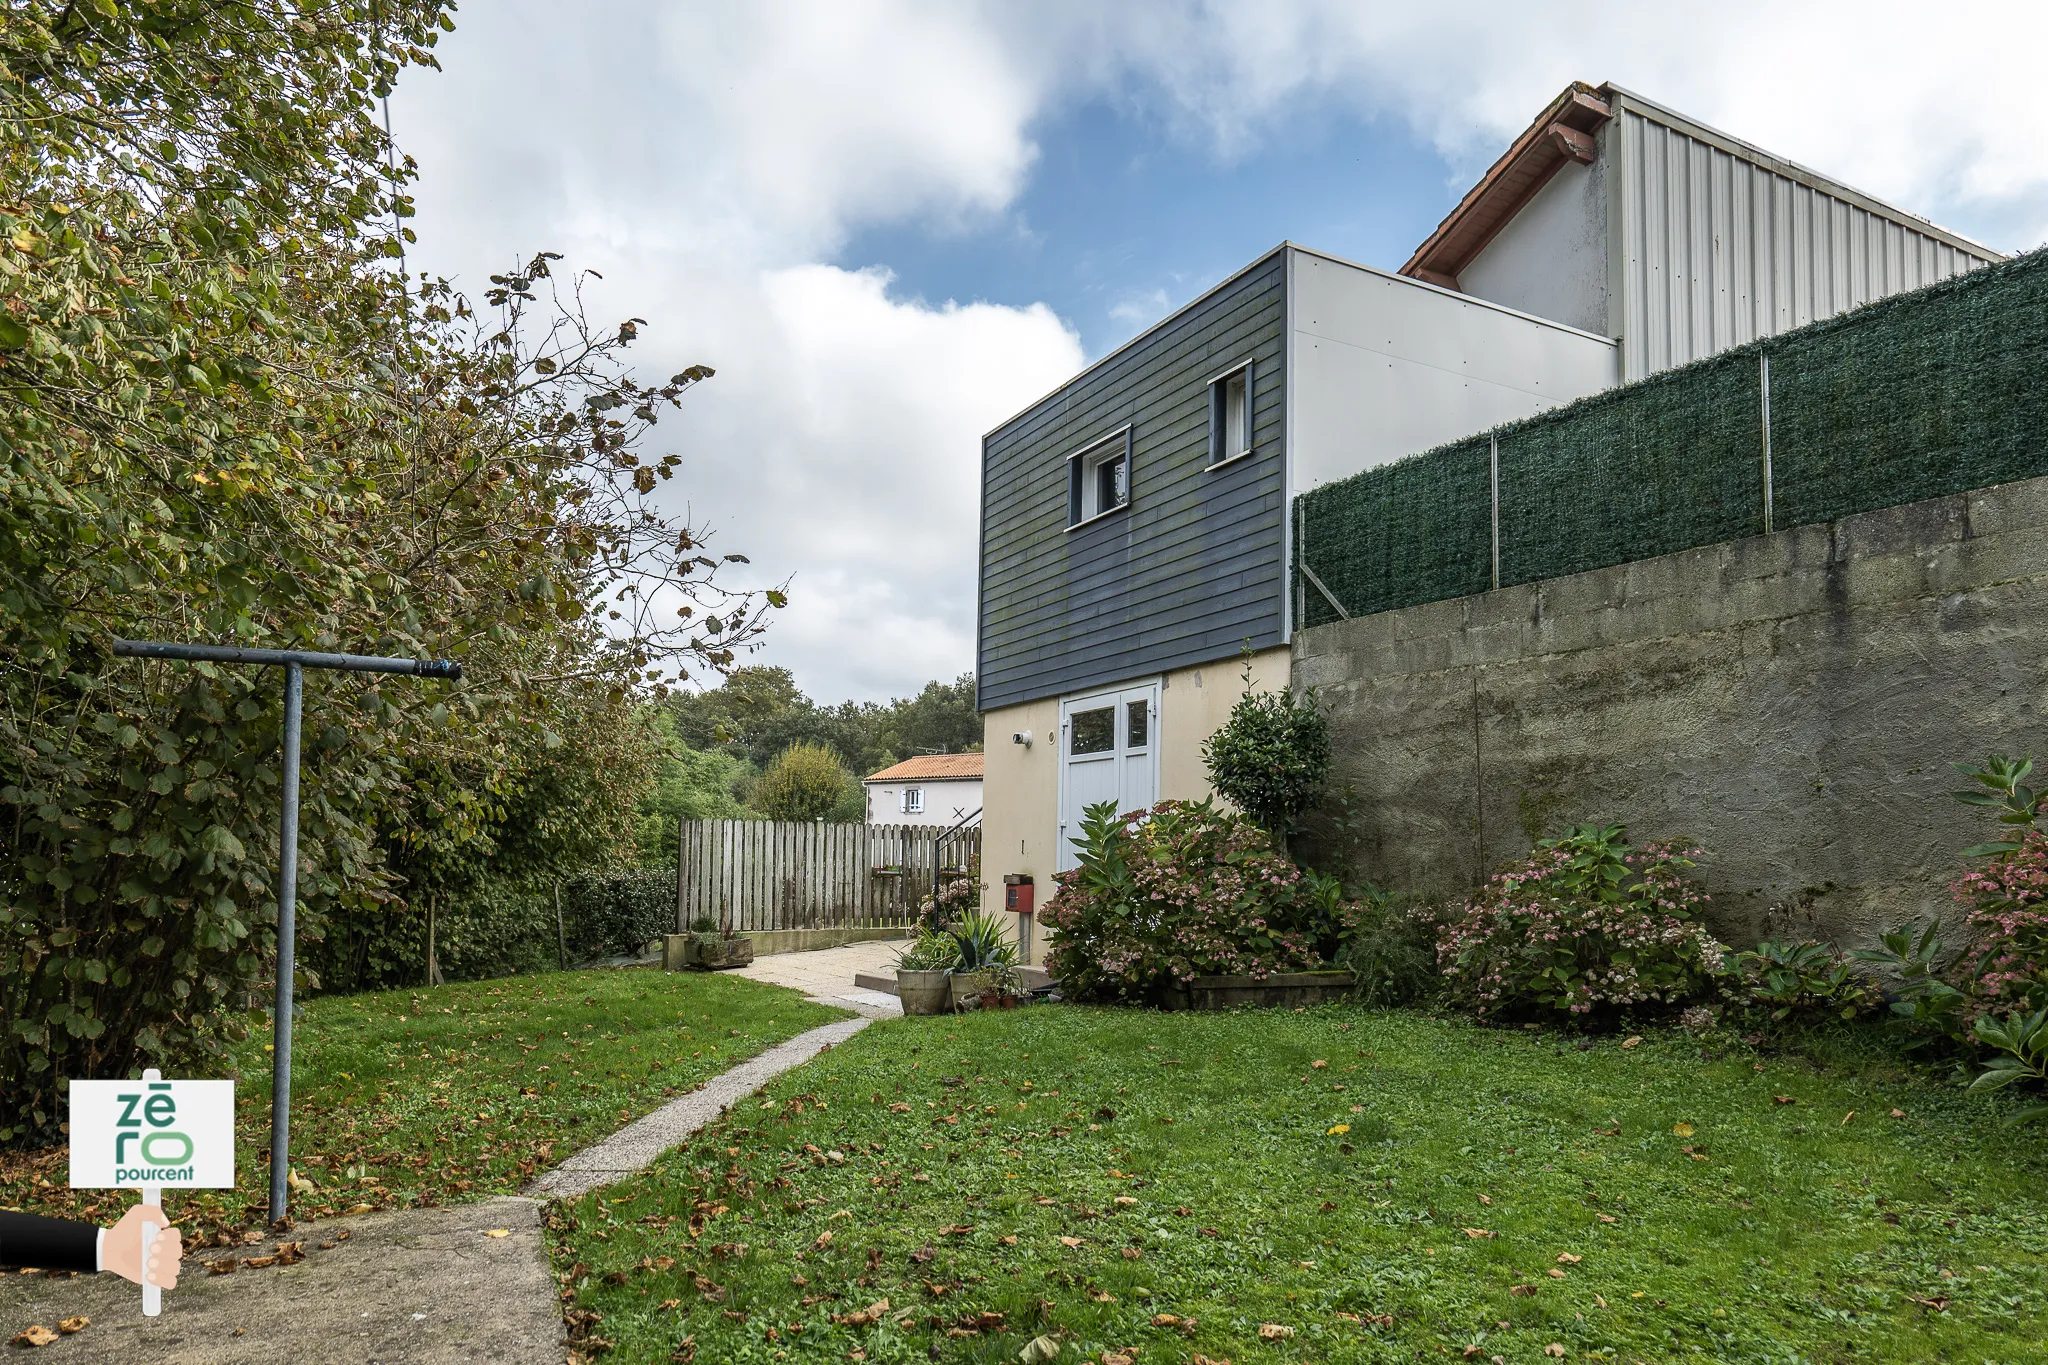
{"x": 933, "y": 768}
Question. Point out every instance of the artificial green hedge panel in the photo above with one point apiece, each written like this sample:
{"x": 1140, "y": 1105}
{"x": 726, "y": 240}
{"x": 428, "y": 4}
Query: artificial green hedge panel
{"x": 1918, "y": 396}
{"x": 1416, "y": 531}
{"x": 1673, "y": 462}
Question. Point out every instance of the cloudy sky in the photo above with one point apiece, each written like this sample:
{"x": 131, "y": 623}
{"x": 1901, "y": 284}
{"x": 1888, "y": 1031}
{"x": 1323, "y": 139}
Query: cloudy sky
{"x": 889, "y": 224}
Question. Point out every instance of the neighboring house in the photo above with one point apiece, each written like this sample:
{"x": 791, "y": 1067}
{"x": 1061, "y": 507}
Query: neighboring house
{"x": 931, "y": 789}
{"x": 1136, "y": 555}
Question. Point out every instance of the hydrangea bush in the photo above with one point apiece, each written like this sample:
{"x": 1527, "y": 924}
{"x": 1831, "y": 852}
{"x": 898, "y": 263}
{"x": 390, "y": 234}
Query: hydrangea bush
{"x": 1585, "y": 925}
{"x": 2006, "y": 965}
{"x": 1180, "y": 891}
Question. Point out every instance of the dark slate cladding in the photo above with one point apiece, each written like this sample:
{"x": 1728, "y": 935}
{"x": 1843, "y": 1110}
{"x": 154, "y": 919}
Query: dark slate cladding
{"x": 1194, "y": 567}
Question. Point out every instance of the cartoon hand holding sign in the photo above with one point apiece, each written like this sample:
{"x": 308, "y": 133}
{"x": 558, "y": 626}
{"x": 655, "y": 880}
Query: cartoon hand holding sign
{"x": 148, "y": 1135}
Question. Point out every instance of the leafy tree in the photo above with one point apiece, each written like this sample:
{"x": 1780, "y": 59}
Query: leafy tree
{"x": 806, "y": 782}
{"x": 689, "y": 784}
{"x": 1271, "y": 756}
{"x": 223, "y": 417}
{"x": 758, "y": 712}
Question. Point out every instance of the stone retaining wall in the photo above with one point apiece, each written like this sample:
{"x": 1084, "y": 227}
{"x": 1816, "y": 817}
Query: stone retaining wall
{"x": 1791, "y": 702}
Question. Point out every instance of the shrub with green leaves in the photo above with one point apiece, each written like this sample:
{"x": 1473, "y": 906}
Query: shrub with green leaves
{"x": 1586, "y": 927}
{"x": 805, "y": 782}
{"x": 1271, "y": 756}
{"x": 1786, "y": 982}
{"x": 1190, "y": 890}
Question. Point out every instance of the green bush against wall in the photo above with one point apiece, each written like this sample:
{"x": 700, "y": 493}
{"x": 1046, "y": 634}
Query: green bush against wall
{"x": 1917, "y": 396}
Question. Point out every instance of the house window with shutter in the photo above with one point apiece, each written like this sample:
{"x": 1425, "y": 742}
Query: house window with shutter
{"x": 913, "y": 800}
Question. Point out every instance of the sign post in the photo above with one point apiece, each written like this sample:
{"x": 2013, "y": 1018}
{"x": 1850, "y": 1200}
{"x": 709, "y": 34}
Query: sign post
{"x": 150, "y": 1135}
{"x": 294, "y": 662}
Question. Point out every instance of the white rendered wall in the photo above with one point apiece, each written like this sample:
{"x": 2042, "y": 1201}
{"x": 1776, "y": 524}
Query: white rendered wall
{"x": 1383, "y": 367}
{"x": 1551, "y": 258}
{"x": 945, "y": 801}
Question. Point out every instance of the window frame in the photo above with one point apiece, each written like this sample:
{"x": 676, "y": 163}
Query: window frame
{"x": 913, "y": 801}
{"x": 1219, "y": 400}
{"x": 1079, "y": 469}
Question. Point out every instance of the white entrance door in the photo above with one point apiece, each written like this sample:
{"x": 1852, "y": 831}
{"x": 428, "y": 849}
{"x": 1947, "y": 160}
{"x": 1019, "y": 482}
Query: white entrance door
{"x": 1109, "y": 751}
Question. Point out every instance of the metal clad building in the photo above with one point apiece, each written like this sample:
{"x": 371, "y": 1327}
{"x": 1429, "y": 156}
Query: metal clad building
{"x": 1618, "y": 215}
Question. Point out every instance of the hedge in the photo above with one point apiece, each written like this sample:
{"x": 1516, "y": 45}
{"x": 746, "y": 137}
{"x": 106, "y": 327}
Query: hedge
{"x": 1916, "y": 396}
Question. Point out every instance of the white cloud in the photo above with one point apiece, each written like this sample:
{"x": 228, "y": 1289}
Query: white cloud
{"x": 708, "y": 158}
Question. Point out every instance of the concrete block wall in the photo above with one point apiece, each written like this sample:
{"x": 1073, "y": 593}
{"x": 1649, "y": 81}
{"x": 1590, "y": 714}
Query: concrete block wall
{"x": 1791, "y": 703}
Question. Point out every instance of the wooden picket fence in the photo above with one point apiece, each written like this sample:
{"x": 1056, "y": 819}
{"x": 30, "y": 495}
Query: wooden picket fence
{"x": 791, "y": 874}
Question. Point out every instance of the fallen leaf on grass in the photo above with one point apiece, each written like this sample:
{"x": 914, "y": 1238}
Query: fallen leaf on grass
{"x": 1070, "y": 1241}
{"x": 1336, "y": 1128}
{"x": 1101, "y": 1296}
{"x": 1566, "y": 1258}
{"x": 1783, "y": 1099}
{"x": 1123, "y": 1201}
{"x": 956, "y": 1230}
{"x": 1898, "y": 1113}
{"x": 686, "y": 1349}
{"x": 35, "y": 1335}
{"x": 1165, "y": 1320}
{"x": 1116, "y": 1358}
{"x": 667, "y": 1304}
{"x": 1523, "y": 1291}
{"x": 79, "y": 1324}
{"x": 1273, "y": 1331}
{"x": 1038, "y": 1351}
{"x": 1555, "y": 1349}
{"x": 1682, "y": 1129}
{"x": 1477, "y": 1232}
{"x": 1009, "y": 1241}
{"x": 866, "y": 1317}
{"x": 1631, "y": 1042}
{"x": 1556, "y": 1274}
{"x": 1486, "y": 1199}
{"x": 824, "y": 1240}
{"x": 1318, "y": 1064}
{"x": 497, "y": 1232}
{"x": 1938, "y": 1305}
{"x": 1199, "y": 1359}
{"x": 1606, "y": 1218}
{"x": 1846, "y": 1117}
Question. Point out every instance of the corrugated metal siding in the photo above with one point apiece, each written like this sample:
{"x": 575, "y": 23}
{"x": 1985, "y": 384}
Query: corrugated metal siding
{"x": 1195, "y": 567}
{"x": 1717, "y": 250}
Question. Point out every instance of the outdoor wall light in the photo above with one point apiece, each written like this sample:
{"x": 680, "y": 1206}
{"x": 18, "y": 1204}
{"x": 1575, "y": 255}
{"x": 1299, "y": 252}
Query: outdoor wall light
{"x": 1022, "y": 737}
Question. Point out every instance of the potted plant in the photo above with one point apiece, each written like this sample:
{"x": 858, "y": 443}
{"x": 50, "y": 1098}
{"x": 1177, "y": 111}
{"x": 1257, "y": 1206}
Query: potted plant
{"x": 998, "y": 986}
{"x": 720, "y": 951}
{"x": 979, "y": 947}
{"x": 923, "y": 973}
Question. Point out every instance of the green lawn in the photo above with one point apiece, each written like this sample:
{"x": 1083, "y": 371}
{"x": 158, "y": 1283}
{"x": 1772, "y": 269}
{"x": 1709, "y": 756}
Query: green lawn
{"x": 421, "y": 1096}
{"x": 1106, "y": 1176}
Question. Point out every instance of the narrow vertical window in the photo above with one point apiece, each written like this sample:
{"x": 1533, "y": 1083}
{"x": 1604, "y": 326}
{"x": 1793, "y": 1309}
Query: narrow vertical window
{"x": 1230, "y": 415}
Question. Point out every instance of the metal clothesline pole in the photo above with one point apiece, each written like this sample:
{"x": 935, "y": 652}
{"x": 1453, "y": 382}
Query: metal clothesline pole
{"x": 294, "y": 663}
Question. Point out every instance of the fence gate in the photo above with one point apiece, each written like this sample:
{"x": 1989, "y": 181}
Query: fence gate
{"x": 794, "y": 874}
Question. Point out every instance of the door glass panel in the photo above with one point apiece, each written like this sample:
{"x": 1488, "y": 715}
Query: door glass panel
{"x": 1138, "y": 716}
{"x": 1094, "y": 732}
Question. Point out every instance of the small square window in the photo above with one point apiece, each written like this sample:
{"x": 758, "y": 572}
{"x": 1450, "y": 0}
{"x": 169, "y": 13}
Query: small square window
{"x": 1230, "y": 415}
{"x": 1099, "y": 478}
{"x": 1093, "y": 732}
{"x": 913, "y": 800}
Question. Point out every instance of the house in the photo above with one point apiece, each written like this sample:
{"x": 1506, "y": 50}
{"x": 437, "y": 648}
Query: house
{"x": 930, "y": 789}
{"x": 1137, "y": 564}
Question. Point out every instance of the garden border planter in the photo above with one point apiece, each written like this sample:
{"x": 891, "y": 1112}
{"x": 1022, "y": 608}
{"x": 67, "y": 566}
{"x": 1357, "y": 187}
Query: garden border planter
{"x": 1280, "y": 990}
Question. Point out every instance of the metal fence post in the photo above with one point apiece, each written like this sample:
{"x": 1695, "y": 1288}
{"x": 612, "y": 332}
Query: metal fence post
{"x": 1764, "y": 383}
{"x": 287, "y": 958}
{"x": 1493, "y": 474}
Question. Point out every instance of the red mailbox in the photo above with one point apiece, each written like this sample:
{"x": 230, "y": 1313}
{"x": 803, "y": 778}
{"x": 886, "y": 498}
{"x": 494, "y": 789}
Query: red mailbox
{"x": 1018, "y": 892}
